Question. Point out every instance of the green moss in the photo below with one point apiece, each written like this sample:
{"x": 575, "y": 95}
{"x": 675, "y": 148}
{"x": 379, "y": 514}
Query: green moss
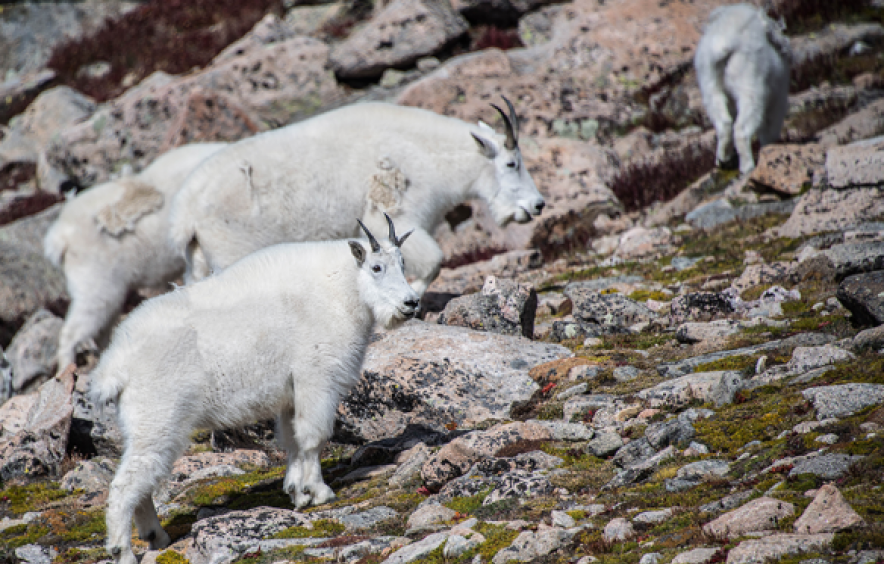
{"x": 278, "y": 555}
{"x": 577, "y": 514}
{"x": 552, "y": 411}
{"x": 644, "y": 295}
{"x": 21, "y": 535}
{"x": 321, "y": 528}
{"x": 741, "y": 362}
{"x": 31, "y": 497}
{"x": 81, "y": 555}
{"x": 227, "y": 490}
{"x": 497, "y": 537}
{"x": 171, "y": 557}
{"x": 859, "y": 540}
{"x": 468, "y": 505}
{"x": 84, "y": 526}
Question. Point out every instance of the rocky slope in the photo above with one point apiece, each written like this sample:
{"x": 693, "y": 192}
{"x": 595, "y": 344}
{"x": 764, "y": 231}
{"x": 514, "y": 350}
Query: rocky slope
{"x": 674, "y": 365}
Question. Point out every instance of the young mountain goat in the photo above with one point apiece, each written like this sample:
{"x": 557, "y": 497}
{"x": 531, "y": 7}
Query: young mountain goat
{"x": 302, "y": 182}
{"x": 112, "y": 239}
{"x": 742, "y": 64}
{"x": 282, "y": 332}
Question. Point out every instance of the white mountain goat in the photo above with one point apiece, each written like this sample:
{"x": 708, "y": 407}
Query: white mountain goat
{"x": 742, "y": 65}
{"x": 302, "y": 183}
{"x": 113, "y": 238}
{"x": 280, "y": 333}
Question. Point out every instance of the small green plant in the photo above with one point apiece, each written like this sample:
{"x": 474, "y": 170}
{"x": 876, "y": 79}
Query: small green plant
{"x": 321, "y": 528}
{"x": 31, "y": 497}
{"x": 171, "y": 557}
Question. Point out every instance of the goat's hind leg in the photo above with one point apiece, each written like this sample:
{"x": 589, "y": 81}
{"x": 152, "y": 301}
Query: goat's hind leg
{"x": 285, "y": 433}
{"x": 129, "y": 497}
{"x": 148, "y": 524}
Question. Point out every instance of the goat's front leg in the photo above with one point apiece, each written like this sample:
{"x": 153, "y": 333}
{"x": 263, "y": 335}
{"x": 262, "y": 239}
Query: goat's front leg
{"x": 285, "y": 432}
{"x": 311, "y": 425}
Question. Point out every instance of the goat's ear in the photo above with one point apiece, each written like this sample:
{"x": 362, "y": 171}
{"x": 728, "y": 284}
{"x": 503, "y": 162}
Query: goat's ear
{"x": 486, "y": 146}
{"x": 358, "y": 252}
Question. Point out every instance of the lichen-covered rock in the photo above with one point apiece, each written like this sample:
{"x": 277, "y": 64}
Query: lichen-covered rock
{"x": 759, "y": 514}
{"x": 634, "y": 452}
{"x": 186, "y": 466}
{"x": 694, "y": 332}
{"x": 863, "y": 295}
{"x": 400, "y": 34}
{"x": 673, "y": 432}
{"x": 856, "y": 257}
{"x": 857, "y": 164}
{"x": 807, "y": 358}
{"x": 91, "y": 476}
{"x": 502, "y": 306}
{"x": 788, "y": 169}
{"x": 832, "y": 210}
{"x": 719, "y": 387}
{"x": 700, "y": 306}
{"x": 641, "y": 242}
{"x": 604, "y": 444}
{"x": 827, "y": 466}
{"x": 827, "y": 513}
{"x": 618, "y": 529}
{"x": 32, "y": 351}
{"x": 435, "y": 374}
{"x": 223, "y": 538}
{"x": 843, "y": 399}
{"x": 773, "y": 547}
{"x": 28, "y": 282}
{"x": 606, "y": 309}
{"x": 418, "y": 550}
{"x": 428, "y": 516}
{"x": 530, "y": 545}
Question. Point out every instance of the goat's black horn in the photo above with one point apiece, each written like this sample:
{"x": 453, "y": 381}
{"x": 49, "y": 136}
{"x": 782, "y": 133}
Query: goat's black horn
{"x": 513, "y": 118}
{"x": 393, "y": 238}
{"x": 375, "y": 246}
{"x": 510, "y": 135}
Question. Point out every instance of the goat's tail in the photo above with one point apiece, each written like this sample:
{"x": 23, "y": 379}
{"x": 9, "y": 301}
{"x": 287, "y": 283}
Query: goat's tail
{"x": 110, "y": 377}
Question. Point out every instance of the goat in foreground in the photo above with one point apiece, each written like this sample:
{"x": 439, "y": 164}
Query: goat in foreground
{"x": 282, "y": 332}
{"x": 302, "y": 182}
{"x": 112, "y": 239}
{"x": 742, "y": 65}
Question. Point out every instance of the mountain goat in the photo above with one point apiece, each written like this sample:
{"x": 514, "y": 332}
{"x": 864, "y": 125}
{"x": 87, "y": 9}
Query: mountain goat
{"x": 302, "y": 182}
{"x": 742, "y": 64}
{"x": 111, "y": 239}
{"x": 281, "y": 332}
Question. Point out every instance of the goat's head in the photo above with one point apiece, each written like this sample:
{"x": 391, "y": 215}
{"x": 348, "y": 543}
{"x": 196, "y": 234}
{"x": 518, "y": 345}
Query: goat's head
{"x": 381, "y": 279}
{"x": 510, "y": 191}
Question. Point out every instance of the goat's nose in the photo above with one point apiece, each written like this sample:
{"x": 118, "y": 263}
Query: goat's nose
{"x": 412, "y": 303}
{"x": 538, "y": 207}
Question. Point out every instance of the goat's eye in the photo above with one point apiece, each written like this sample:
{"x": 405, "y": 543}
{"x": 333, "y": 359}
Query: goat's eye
{"x": 376, "y": 268}
{"x": 511, "y": 164}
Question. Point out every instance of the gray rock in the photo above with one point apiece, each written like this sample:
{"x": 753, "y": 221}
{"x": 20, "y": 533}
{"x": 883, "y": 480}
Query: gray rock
{"x": 426, "y": 374}
{"x": 694, "y": 332}
{"x": 581, "y": 405}
{"x": 417, "y": 550}
{"x": 777, "y": 546}
{"x": 28, "y": 282}
{"x": 856, "y": 164}
{"x": 819, "y": 211}
{"x": 684, "y": 263}
{"x": 844, "y": 399}
{"x": 606, "y": 309}
{"x": 700, "y": 306}
{"x": 681, "y": 484}
{"x": 519, "y": 485}
{"x": 222, "y": 539}
{"x": 502, "y": 306}
{"x": 652, "y": 517}
{"x": 458, "y": 545}
{"x": 32, "y": 351}
{"x": 719, "y": 387}
{"x": 428, "y": 516}
{"x": 403, "y": 32}
{"x": 863, "y": 295}
{"x": 564, "y": 330}
{"x": 696, "y": 556}
{"x": 564, "y": 431}
{"x": 719, "y": 212}
{"x": 410, "y": 470}
{"x": 573, "y": 390}
{"x": 625, "y": 373}
{"x": 368, "y": 518}
{"x": 530, "y": 546}
{"x": 618, "y": 529}
{"x": 36, "y": 554}
{"x": 826, "y": 466}
{"x": 805, "y": 359}
{"x": 604, "y": 444}
{"x": 634, "y": 452}
{"x": 727, "y": 503}
{"x": 856, "y": 258}
{"x": 673, "y": 432}
{"x": 703, "y": 469}
{"x": 91, "y": 476}
{"x": 561, "y": 519}
{"x": 682, "y": 367}
{"x": 869, "y": 339}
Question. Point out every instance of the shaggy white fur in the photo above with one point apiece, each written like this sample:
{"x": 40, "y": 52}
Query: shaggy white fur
{"x": 742, "y": 65}
{"x": 112, "y": 238}
{"x": 306, "y": 181}
{"x": 282, "y": 333}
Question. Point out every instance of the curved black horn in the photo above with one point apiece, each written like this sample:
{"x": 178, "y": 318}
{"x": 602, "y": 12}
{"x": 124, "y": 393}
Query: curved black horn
{"x": 510, "y": 135}
{"x": 392, "y": 231}
{"x": 513, "y": 118}
{"x": 375, "y": 246}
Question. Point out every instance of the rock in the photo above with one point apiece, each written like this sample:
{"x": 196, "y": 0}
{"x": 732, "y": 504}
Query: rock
{"x": 869, "y": 339}
{"x": 857, "y": 164}
{"x": 726, "y": 503}
{"x": 606, "y": 309}
{"x": 618, "y": 529}
{"x": 399, "y": 35}
{"x": 427, "y": 516}
{"x": 863, "y": 124}
{"x": 530, "y": 546}
{"x": 704, "y": 469}
{"x": 458, "y": 545}
{"x": 807, "y": 358}
{"x": 863, "y": 295}
{"x": 91, "y": 476}
{"x": 28, "y": 282}
{"x": 573, "y": 390}
{"x": 695, "y": 332}
{"x": 455, "y": 458}
{"x": 187, "y": 466}
{"x": 719, "y": 212}
{"x": 435, "y": 374}
{"x": 759, "y": 274}
{"x": 563, "y": 431}
{"x": 788, "y": 169}
{"x": 641, "y": 242}
{"x": 634, "y": 452}
{"x": 776, "y": 546}
{"x": 673, "y": 432}
{"x": 417, "y": 550}
{"x": 222, "y": 539}
{"x": 519, "y": 485}
{"x": 503, "y": 306}
{"x": 625, "y": 373}
{"x": 6, "y": 377}
{"x": 819, "y": 211}
{"x": 470, "y": 278}
{"x": 410, "y": 470}
{"x": 41, "y": 443}
{"x": 561, "y": 519}
{"x": 652, "y": 517}
{"x": 759, "y": 514}
{"x": 826, "y": 466}
{"x": 368, "y": 518}
{"x": 854, "y": 258}
{"x": 827, "y": 513}
{"x": 604, "y": 444}
{"x": 36, "y": 554}
{"x": 696, "y": 556}
{"x": 844, "y": 399}
{"x": 32, "y": 351}
{"x": 701, "y": 306}
{"x": 719, "y": 387}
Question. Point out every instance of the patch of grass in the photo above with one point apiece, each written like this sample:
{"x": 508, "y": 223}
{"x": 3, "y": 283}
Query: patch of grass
{"x": 741, "y": 362}
{"x": 21, "y": 499}
{"x": 171, "y": 557}
{"x": 81, "y": 526}
{"x": 552, "y": 411}
{"x": 86, "y": 555}
{"x": 468, "y": 505}
{"x": 321, "y": 528}
{"x": 20, "y": 535}
{"x": 497, "y": 537}
{"x": 226, "y": 490}
{"x": 645, "y": 295}
{"x": 291, "y": 553}
{"x": 870, "y": 538}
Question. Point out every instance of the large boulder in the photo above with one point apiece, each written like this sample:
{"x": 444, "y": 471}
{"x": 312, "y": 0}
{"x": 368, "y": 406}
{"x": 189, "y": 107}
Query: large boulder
{"x": 435, "y": 375}
{"x": 857, "y": 164}
{"x": 503, "y": 306}
{"x": 401, "y": 33}
{"x": 832, "y": 210}
{"x": 863, "y": 295}
{"x": 788, "y": 169}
